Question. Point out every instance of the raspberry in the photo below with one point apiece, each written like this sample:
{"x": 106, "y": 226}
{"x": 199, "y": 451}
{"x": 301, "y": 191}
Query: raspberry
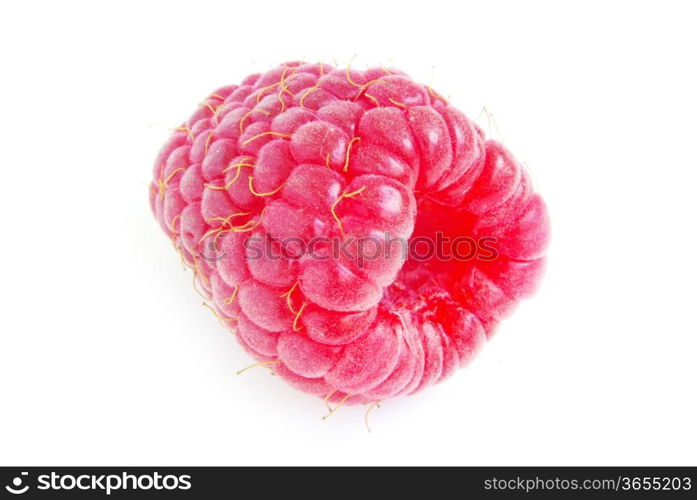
{"x": 267, "y": 178}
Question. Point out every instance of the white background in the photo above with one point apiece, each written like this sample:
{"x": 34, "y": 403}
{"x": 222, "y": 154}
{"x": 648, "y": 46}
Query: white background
{"x": 106, "y": 355}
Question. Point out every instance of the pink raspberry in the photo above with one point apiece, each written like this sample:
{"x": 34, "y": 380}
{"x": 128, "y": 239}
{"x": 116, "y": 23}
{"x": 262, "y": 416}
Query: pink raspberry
{"x": 285, "y": 195}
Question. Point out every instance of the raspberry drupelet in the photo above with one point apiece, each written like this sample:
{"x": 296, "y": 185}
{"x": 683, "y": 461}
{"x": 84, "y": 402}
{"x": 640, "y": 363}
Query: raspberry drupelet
{"x": 310, "y": 154}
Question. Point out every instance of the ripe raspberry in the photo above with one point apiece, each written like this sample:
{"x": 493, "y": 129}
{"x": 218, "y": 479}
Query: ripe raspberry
{"x": 312, "y": 155}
